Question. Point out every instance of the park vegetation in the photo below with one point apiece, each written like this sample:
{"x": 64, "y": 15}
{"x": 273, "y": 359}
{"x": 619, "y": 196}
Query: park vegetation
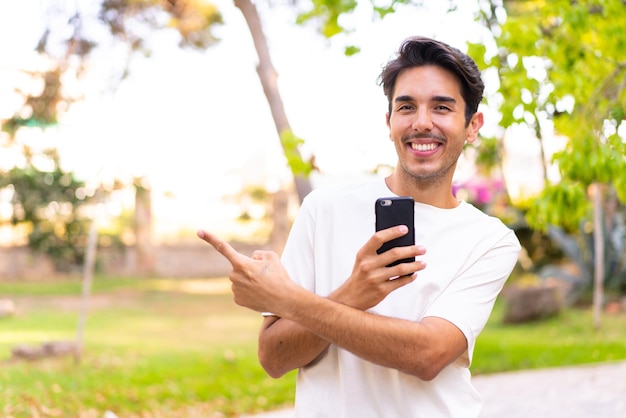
{"x": 155, "y": 349}
{"x": 181, "y": 348}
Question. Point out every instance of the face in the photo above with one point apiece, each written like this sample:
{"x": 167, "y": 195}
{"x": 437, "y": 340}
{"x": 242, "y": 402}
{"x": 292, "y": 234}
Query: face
{"x": 427, "y": 124}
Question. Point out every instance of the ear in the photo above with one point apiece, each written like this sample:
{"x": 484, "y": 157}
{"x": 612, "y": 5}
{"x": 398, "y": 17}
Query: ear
{"x": 474, "y": 126}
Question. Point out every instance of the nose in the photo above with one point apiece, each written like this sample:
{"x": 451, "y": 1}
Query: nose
{"x": 423, "y": 121}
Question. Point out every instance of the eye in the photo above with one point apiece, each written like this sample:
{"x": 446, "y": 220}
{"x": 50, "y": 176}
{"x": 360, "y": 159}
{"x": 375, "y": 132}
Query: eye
{"x": 405, "y": 107}
{"x": 442, "y": 108}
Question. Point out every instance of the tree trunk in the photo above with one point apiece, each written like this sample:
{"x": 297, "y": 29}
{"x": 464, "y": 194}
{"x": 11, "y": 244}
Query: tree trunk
{"x": 544, "y": 160}
{"x": 269, "y": 76}
{"x": 143, "y": 229}
{"x": 598, "y": 243}
{"x": 88, "y": 270}
{"x": 280, "y": 217}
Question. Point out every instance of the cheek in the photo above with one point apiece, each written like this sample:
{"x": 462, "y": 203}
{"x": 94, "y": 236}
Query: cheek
{"x": 393, "y": 132}
{"x": 395, "y": 136}
{"x": 397, "y": 128}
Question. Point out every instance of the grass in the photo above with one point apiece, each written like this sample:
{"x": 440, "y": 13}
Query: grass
{"x": 567, "y": 339}
{"x": 182, "y": 348}
{"x": 153, "y": 348}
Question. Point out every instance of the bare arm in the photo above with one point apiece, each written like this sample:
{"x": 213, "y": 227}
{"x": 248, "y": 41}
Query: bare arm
{"x": 420, "y": 348}
{"x": 310, "y": 322}
{"x": 285, "y": 345}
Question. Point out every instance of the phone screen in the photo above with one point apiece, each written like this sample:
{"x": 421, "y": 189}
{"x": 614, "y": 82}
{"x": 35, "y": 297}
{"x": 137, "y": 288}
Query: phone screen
{"x": 393, "y": 211}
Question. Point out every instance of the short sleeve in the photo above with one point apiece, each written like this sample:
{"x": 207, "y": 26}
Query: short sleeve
{"x": 469, "y": 299}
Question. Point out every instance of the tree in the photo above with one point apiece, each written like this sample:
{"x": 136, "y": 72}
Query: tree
{"x": 268, "y": 77}
{"x": 68, "y": 47}
{"x": 49, "y": 200}
{"x": 67, "y": 55}
{"x": 128, "y": 21}
{"x": 562, "y": 66}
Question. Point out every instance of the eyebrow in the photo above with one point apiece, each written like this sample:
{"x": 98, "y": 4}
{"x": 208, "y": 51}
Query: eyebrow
{"x": 407, "y": 98}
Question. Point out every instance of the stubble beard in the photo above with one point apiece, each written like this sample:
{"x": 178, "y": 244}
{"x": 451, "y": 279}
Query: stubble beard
{"x": 426, "y": 178}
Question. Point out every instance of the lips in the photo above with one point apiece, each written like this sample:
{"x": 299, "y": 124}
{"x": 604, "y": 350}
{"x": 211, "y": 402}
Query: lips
{"x": 421, "y": 147}
{"x": 424, "y": 142}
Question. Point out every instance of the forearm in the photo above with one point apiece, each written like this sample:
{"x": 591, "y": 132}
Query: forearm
{"x": 421, "y": 349}
{"x": 285, "y": 345}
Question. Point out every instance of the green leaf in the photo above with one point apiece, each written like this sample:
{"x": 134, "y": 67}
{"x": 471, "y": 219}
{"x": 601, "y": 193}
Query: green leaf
{"x": 291, "y": 144}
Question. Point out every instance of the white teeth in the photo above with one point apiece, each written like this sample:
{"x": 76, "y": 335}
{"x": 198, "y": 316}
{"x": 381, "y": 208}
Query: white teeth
{"x": 424, "y": 147}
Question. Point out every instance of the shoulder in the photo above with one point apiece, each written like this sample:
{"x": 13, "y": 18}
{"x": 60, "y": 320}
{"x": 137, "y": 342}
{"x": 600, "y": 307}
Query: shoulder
{"x": 359, "y": 191}
{"x": 484, "y": 225}
{"x": 470, "y": 212}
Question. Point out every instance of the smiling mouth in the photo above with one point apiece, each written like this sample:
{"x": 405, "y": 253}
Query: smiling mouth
{"x": 424, "y": 147}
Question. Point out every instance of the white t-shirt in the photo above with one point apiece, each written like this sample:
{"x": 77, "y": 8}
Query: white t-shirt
{"x": 469, "y": 256}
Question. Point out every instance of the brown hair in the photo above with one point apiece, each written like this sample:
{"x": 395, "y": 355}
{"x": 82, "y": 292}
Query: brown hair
{"x": 418, "y": 51}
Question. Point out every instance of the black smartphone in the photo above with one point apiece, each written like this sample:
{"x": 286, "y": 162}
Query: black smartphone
{"x": 392, "y": 211}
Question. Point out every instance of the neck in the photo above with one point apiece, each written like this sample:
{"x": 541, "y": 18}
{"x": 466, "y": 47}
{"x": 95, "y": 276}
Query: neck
{"x": 435, "y": 192}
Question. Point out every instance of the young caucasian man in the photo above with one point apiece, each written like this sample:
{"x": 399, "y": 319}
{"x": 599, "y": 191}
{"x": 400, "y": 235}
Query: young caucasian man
{"x": 365, "y": 345}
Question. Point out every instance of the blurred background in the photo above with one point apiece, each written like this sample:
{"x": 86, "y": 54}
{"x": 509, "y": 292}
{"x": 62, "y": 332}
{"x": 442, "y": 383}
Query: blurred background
{"x": 165, "y": 97}
{"x": 128, "y": 125}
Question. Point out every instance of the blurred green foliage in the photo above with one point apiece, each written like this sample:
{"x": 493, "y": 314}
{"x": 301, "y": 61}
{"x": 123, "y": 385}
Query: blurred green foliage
{"x": 562, "y": 68}
{"x": 50, "y": 202}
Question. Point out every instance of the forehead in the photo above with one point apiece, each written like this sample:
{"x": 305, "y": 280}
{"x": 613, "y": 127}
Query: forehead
{"x": 427, "y": 81}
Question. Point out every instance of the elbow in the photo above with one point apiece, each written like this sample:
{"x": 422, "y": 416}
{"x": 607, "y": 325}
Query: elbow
{"x": 428, "y": 368}
{"x": 274, "y": 373}
{"x": 428, "y": 373}
{"x": 422, "y": 371}
{"x": 271, "y": 365}
{"x": 434, "y": 357}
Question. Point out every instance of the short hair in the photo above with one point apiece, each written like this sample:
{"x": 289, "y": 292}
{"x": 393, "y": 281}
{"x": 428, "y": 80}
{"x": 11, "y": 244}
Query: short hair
{"x": 419, "y": 51}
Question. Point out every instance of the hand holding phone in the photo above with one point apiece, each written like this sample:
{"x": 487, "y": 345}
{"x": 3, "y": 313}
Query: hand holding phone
{"x": 393, "y": 211}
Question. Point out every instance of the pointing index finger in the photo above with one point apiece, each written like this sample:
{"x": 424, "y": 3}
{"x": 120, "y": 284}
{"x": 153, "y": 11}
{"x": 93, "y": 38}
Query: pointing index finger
{"x": 220, "y": 245}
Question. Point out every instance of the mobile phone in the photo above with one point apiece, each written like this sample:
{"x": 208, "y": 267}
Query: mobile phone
{"x": 393, "y": 211}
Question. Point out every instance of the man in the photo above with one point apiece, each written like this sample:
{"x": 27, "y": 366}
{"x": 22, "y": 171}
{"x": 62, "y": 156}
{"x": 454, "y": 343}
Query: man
{"x": 367, "y": 345}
